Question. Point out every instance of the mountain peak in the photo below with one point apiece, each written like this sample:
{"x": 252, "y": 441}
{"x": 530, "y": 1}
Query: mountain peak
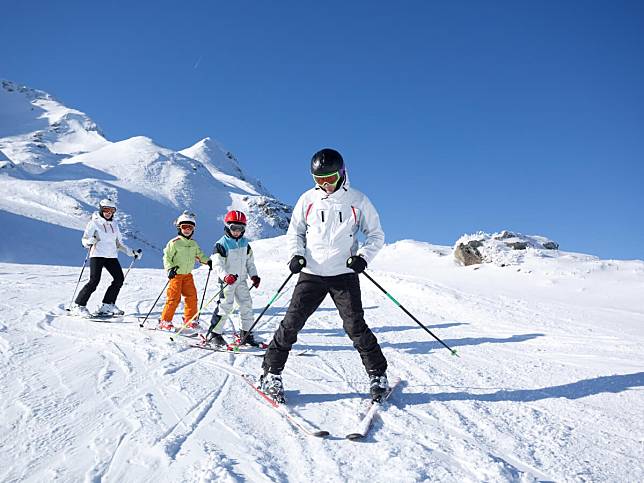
{"x": 222, "y": 164}
{"x": 37, "y": 131}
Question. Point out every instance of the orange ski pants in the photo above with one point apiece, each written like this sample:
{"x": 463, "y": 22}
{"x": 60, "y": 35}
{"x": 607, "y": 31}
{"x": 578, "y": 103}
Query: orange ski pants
{"x": 178, "y": 286}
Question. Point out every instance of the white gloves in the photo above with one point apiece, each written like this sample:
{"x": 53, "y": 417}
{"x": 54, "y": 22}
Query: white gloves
{"x": 91, "y": 241}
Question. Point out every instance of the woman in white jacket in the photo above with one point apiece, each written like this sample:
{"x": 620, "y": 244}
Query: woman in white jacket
{"x": 322, "y": 241}
{"x": 102, "y": 238}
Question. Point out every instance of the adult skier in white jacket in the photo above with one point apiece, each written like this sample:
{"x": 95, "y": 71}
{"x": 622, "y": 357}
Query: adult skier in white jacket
{"x": 322, "y": 241}
{"x": 102, "y": 238}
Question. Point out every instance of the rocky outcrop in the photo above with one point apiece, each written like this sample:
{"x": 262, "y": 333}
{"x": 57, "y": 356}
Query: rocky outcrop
{"x": 503, "y": 248}
{"x": 467, "y": 254}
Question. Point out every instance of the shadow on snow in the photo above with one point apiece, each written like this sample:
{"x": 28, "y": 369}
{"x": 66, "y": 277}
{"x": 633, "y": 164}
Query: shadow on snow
{"x": 574, "y": 390}
{"x": 427, "y": 346}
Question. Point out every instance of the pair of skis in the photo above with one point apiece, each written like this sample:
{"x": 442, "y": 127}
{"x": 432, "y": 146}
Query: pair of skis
{"x": 234, "y": 347}
{"x": 96, "y": 317}
{"x": 301, "y": 424}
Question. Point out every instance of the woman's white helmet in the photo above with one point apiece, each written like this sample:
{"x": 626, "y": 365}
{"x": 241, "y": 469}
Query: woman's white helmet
{"x": 186, "y": 218}
{"x": 106, "y": 203}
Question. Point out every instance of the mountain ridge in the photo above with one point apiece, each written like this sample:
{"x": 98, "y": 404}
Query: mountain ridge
{"x": 56, "y": 165}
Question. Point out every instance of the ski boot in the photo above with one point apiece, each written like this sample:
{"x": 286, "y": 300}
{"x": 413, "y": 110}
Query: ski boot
{"x": 105, "y": 310}
{"x": 250, "y": 339}
{"x": 378, "y": 386}
{"x": 217, "y": 340}
{"x": 109, "y": 309}
{"x": 116, "y": 310}
{"x": 271, "y": 385}
{"x": 81, "y": 311}
{"x": 165, "y": 325}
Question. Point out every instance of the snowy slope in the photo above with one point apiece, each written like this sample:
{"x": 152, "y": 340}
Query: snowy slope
{"x": 548, "y": 386}
{"x": 55, "y": 166}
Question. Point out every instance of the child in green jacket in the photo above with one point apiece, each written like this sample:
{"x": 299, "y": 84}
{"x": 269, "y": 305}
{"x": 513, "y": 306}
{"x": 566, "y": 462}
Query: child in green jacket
{"x": 179, "y": 258}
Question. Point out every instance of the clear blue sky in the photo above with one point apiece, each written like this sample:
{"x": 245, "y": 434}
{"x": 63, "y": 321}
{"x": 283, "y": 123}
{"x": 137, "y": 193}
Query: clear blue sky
{"x": 452, "y": 116}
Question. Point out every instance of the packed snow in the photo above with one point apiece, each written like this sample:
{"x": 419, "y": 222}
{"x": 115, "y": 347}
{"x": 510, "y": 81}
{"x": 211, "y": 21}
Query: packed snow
{"x": 548, "y": 385}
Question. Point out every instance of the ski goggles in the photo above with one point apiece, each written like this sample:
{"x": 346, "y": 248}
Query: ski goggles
{"x": 108, "y": 209}
{"x": 236, "y": 226}
{"x": 185, "y": 226}
{"x": 330, "y": 178}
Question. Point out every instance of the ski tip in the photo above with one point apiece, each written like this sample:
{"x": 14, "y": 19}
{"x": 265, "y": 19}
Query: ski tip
{"x": 354, "y": 436}
{"x": 321, "y": 434}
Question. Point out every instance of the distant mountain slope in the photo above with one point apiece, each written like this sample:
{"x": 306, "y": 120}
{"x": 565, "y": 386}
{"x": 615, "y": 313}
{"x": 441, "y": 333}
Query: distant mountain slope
{"x": 55, "y": 166}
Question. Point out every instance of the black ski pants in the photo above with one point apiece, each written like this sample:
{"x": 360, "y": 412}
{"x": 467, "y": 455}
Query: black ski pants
{"x": 96, "y": 265}
{"x": 309, "y": 293}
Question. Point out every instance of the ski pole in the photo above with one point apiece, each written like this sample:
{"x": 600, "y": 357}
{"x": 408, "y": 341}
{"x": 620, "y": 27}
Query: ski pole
{"x": 203, "y": 297}
{"x": 185, "y": 325}
{"x": 154, "y": 304}
{"x": 285, "y": 306}
{"x": 453, "y": 351}
{"x": 131, "y": 263}
{"x": 79, "y": 279}
{"x": 277, "y": 294}
{"x": 128, "y": 269}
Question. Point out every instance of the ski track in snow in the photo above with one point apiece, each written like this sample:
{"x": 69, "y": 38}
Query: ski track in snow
{"x": 543, "y": 391}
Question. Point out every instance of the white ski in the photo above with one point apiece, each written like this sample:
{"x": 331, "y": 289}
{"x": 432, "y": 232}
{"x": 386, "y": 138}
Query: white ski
{"x": 365, "y": 424}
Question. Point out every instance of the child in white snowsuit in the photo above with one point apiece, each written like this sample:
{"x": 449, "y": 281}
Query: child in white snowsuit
{"x": 233, "y": 262}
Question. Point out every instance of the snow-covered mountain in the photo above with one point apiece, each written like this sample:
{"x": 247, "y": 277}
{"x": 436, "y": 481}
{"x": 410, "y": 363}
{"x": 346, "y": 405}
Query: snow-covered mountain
{"x": 55, "y": 165}
{"x": 549, "y": 385}
{"x": 37, "y": 131}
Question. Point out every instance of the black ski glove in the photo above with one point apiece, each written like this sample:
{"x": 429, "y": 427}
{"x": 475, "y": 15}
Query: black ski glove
{"x": 209, "y": 263}
{"x": 357, "y": 263}
{"x": 138, "y": 254}
{"x": 297, "y": 263}
{"x": 172, "y": 272}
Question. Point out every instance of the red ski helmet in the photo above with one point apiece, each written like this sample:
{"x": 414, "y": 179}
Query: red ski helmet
{"x": 235, "y": 216}
{"x": 235, "y": 221}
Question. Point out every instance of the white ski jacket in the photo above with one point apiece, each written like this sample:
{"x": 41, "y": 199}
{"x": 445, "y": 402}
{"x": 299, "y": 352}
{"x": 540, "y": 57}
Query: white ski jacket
{"x": 234, "y": 257}
{"x": 324, "y": 229}
{"x": 108, "y": 235}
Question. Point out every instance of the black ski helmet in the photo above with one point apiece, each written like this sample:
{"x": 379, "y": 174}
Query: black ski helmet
{"x": 327, "y": 161}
